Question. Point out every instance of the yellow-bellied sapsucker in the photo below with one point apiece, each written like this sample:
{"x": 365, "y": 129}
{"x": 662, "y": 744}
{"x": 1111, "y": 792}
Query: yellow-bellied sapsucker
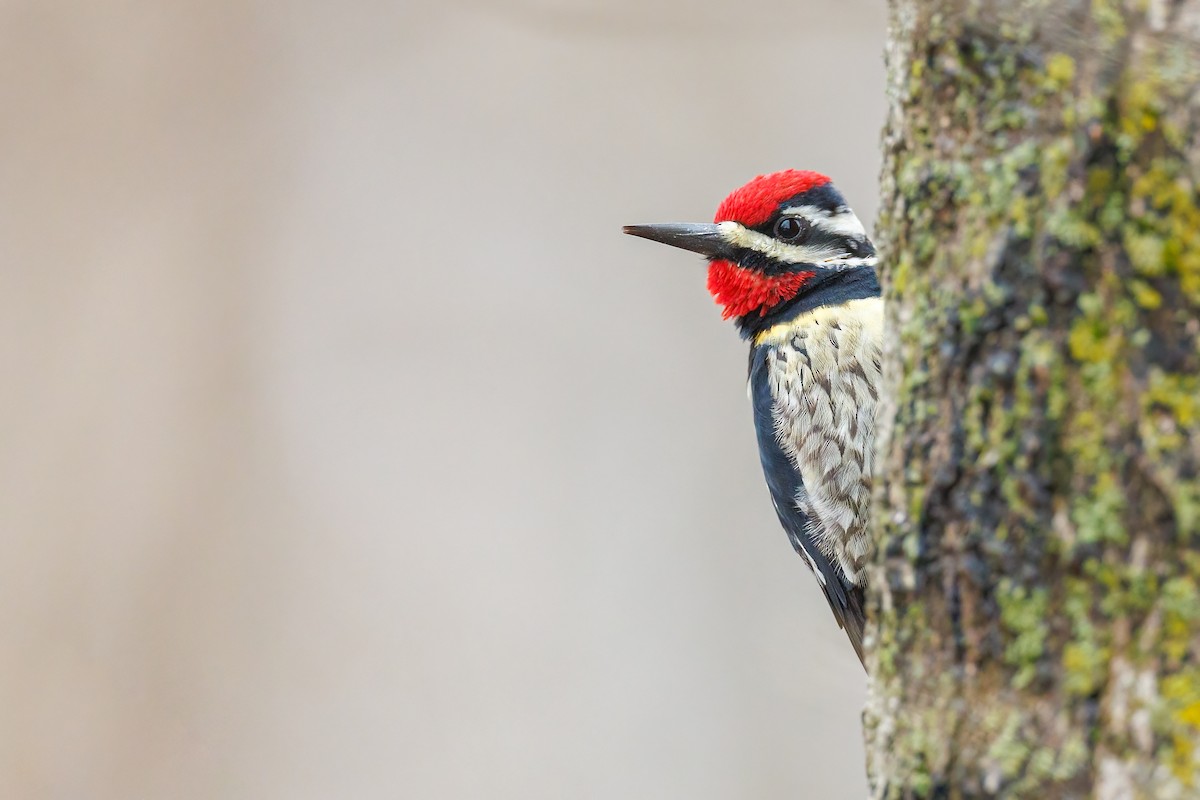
{"x": 792, "y": 265}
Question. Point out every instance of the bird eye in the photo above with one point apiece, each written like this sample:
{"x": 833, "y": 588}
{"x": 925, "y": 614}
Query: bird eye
{"x": 792, "y": 229}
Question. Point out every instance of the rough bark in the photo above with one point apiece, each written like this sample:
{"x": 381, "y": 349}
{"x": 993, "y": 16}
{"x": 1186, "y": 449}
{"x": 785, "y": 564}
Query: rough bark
{"x": 1036, "y": 595}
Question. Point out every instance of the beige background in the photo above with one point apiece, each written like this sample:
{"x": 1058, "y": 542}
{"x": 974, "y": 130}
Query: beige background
{"x": 348, "y": 450}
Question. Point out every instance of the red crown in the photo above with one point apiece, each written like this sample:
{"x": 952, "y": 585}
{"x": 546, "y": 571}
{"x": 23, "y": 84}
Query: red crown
{"x": 754, "y": 203}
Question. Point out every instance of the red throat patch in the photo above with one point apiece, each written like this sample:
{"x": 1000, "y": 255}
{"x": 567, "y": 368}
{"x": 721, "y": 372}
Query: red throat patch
{"x": 754, "y": 203}
{"x": 742, "y": 291}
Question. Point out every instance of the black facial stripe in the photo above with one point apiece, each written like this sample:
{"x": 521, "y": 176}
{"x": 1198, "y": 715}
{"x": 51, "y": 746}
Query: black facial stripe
{"x": 761, "y": 262}
{"x": 819, "y": 241}
{"x": 863, "y": 248}
{"x": 825, "y": 197}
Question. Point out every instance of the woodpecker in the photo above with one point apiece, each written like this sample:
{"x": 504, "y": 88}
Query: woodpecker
{"x": 791, "y": 264}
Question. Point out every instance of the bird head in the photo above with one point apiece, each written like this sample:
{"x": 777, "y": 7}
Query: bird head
{"x": 771, "y": 241}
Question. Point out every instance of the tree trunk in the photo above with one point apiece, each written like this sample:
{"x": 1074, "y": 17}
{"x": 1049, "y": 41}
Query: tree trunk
{"x": 1036, "y": 594}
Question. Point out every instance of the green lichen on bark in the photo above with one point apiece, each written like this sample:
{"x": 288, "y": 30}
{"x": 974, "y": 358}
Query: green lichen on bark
{"x": 1036, "y": 597}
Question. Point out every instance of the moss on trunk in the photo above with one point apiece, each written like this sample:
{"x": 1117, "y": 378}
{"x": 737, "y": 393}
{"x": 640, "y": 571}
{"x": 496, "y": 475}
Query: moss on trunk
{"x": 1036, "y": 596}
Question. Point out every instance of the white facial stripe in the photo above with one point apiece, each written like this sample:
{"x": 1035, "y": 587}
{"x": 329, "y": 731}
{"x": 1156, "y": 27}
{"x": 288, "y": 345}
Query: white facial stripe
{"x": 843, "y": 223}
{"x": 740, "y": 236}
{"x": 846, "y": 263}
{"x": 832, "y": 257}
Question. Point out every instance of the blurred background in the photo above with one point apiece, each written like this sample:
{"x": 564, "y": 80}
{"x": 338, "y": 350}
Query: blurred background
{"x": 349, "y": 450}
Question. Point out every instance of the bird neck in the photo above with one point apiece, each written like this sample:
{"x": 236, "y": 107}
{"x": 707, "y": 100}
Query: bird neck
{"x": 824, "y": 288}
